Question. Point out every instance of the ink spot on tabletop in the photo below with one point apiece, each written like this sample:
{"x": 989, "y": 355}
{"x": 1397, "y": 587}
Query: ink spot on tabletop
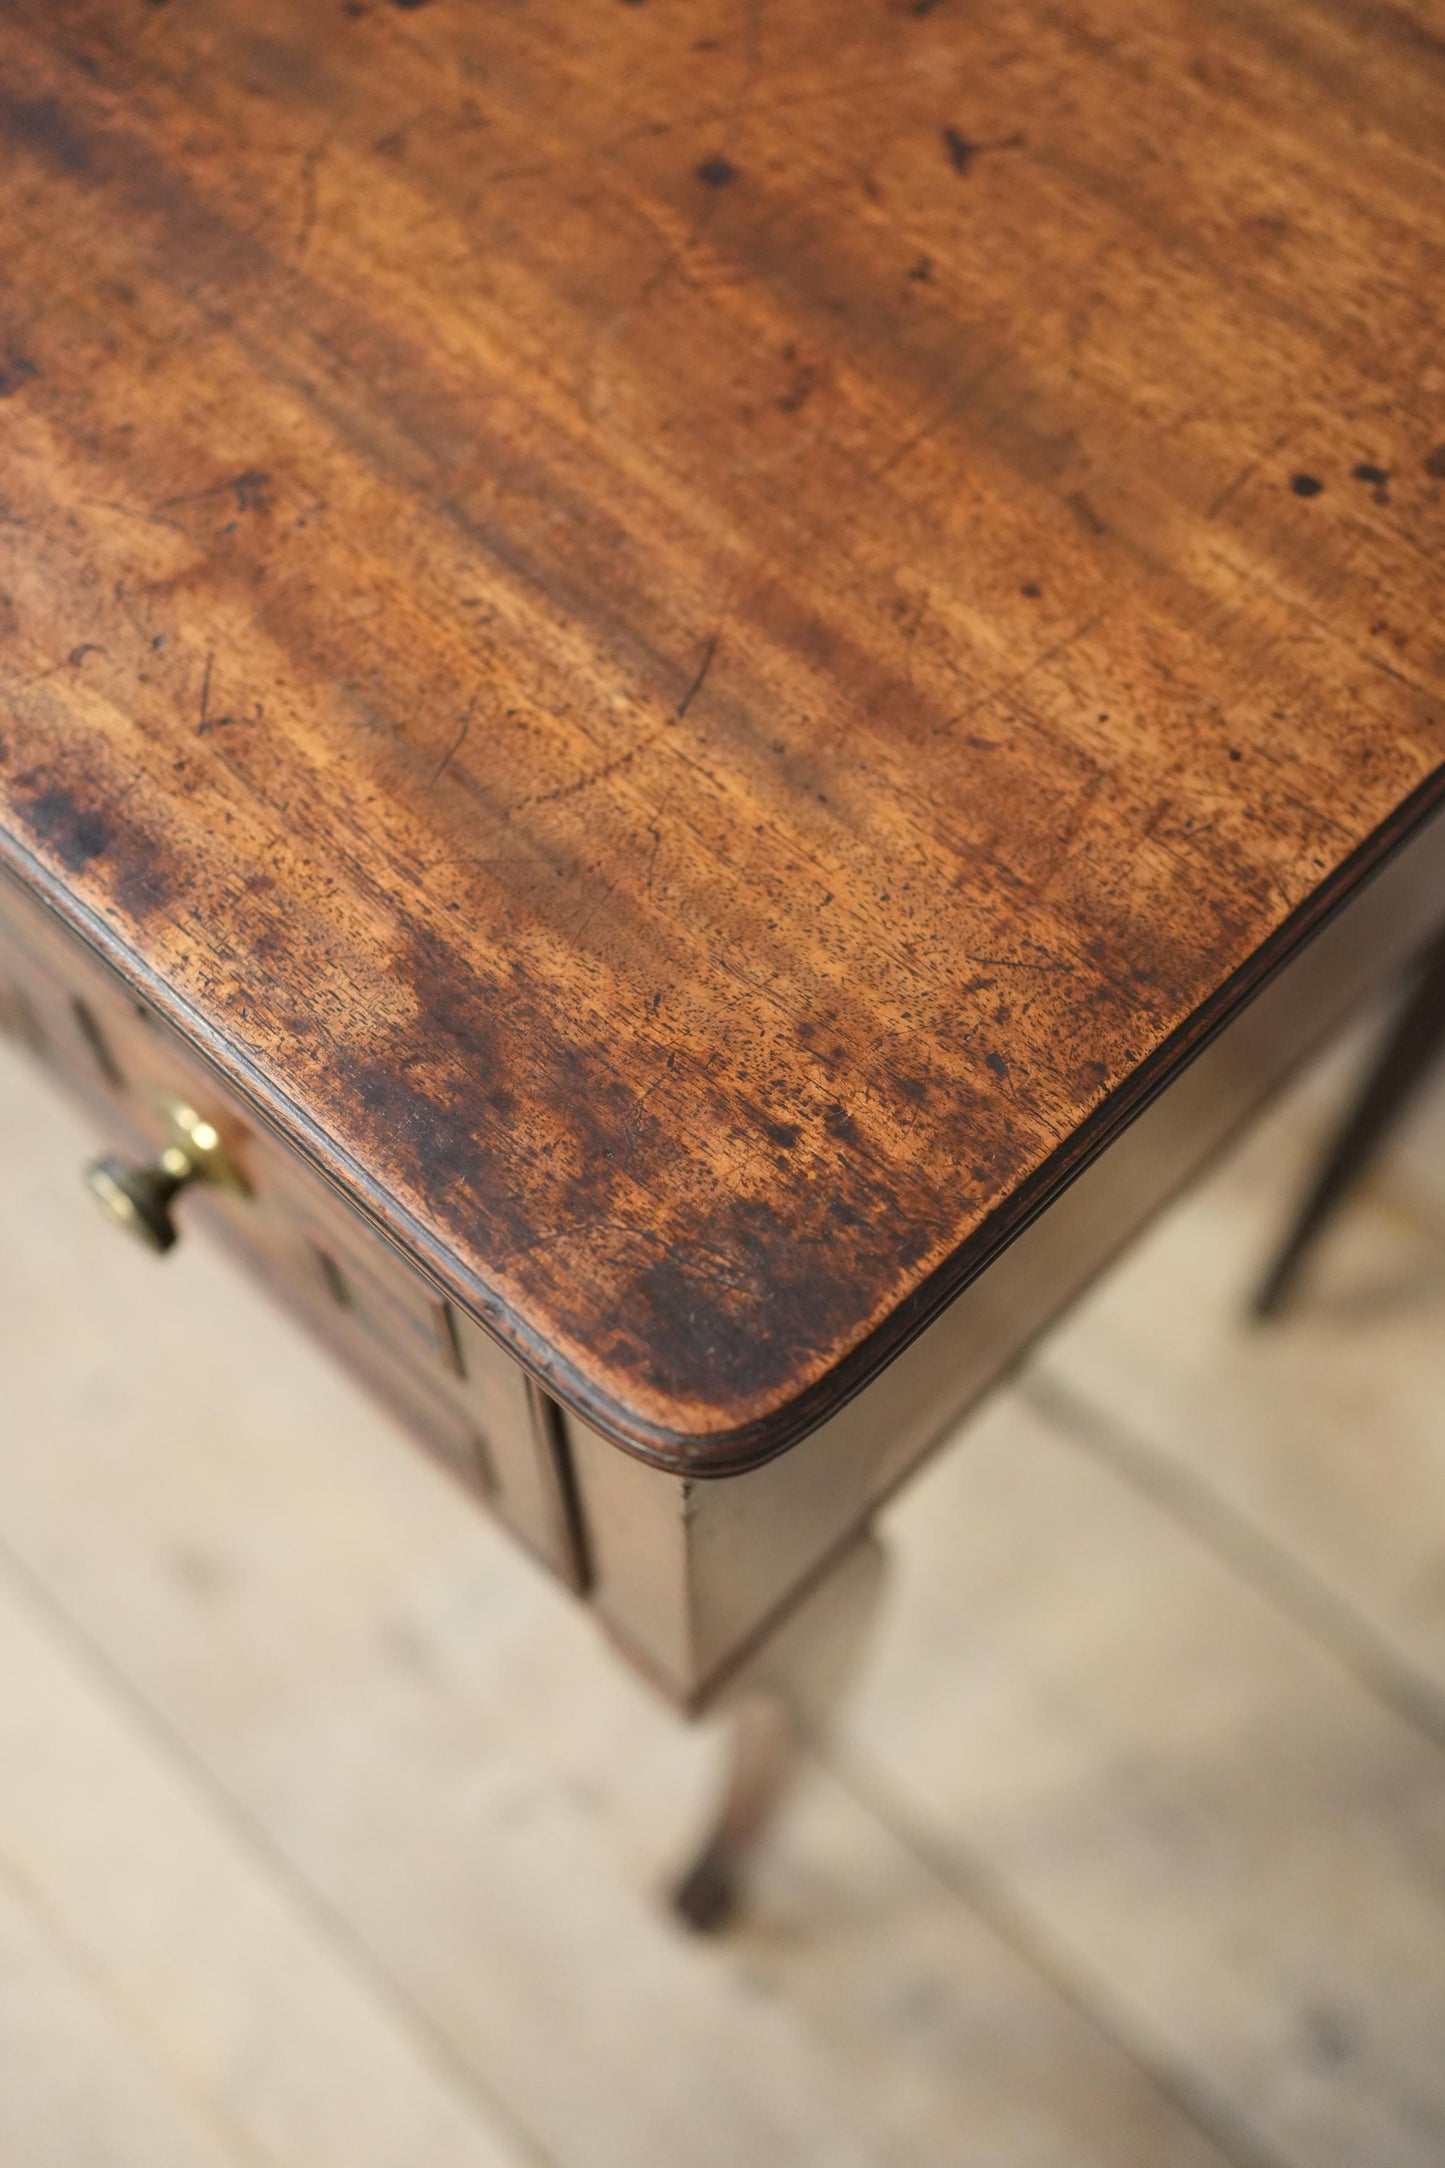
{"x": 1032, "y": 590}
{"x": 842, "y": 1125}
{"x": 1366, "y": 471}
{"x": 716, "y": 172}
{"x": 1087, "y": 513}
{"x": 407, "y": 5}
{"x": 805, "y": 378}
{"x": 1306, "y": 485}
{"x": 785, "y": 1134}
{"x": 922, "y": 272}
{"x": 961, "y": 153}
{"x": 997, "y": 1063}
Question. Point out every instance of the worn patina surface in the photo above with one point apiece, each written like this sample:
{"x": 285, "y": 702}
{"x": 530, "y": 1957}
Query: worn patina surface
{"x": 697, "y": 640}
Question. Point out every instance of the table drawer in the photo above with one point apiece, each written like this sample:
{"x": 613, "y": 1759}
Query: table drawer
{"x": 466, "y": 1400}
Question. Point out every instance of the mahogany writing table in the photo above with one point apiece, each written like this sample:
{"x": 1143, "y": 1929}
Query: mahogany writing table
{"x": 692, "y": 692}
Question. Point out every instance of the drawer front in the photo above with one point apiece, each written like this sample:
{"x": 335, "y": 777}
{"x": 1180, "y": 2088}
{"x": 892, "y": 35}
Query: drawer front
{"x": 465, "y": 1399}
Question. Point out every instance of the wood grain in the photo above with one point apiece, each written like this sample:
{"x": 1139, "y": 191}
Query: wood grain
{"x": 697, "y": 643}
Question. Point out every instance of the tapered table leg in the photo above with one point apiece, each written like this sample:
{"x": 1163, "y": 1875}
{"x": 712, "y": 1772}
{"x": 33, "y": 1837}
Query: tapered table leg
{"x": 1401, "y": 1066}
{"x": 786, "y": 1695}
{"x": 764, "y": 1748}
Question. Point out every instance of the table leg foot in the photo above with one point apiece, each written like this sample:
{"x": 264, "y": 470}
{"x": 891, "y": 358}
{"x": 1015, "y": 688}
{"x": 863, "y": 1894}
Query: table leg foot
{"x": 787, "y": 1694}
{"x": 764, "y": 1750}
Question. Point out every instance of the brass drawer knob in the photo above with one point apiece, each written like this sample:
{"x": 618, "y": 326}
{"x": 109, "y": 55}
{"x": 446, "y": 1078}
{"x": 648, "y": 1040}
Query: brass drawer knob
{"x": 138, "y": 1199}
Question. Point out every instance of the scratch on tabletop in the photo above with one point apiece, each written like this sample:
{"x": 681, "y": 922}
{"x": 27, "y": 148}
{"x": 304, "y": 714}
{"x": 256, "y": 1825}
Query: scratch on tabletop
{"x": 72, "y": 661}
{"x": 310, "y": 170}
{"x": 457, "y": 743}
{"x": 698, "y": 680}
{"x": 249, "y": 487}
{"x": 953, "y": 406}
{"x": 1009, "y": 685}
{"x": 1245, "y": 474}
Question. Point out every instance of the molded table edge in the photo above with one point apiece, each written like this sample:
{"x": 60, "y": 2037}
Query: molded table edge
{"x": 733, "y": 1452}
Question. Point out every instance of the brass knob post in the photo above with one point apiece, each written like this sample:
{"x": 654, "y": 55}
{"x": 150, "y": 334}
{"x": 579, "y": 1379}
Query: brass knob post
{"x": 138, "y": 1199}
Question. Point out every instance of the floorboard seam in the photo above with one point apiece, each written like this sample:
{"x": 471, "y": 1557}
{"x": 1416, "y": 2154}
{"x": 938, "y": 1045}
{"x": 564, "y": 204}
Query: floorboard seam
{"x": 1254, "y": 1556}
{"x": 973, "y": 1882}
{"x": 228, "y": 2134}
{"x": 333, "y": 1927}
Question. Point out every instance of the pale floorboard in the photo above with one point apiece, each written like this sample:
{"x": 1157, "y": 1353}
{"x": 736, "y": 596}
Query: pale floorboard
{"x": 1322, "y": 1436}
{"x": 1122, "y": 1860}
{"x": 77, "y": 2088}
{"x": 1203, "y": 1818}
{"x": 255, "y": 2010}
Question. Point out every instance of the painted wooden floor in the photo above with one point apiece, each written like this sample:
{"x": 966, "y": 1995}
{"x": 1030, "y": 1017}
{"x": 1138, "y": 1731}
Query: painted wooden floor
{"x": 330, "y": 1835}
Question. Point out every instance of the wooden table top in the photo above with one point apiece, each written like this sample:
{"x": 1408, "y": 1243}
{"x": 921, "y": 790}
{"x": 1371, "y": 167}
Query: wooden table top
{"x": 699, "y": 641}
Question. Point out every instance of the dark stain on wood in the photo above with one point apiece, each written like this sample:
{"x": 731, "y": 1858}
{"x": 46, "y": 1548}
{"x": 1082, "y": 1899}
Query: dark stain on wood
{"x": 961, "y": 152}
{"x": 41, "y": 126}
{"x": 75, "y": 833}
{"x": 15, "y": 370}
